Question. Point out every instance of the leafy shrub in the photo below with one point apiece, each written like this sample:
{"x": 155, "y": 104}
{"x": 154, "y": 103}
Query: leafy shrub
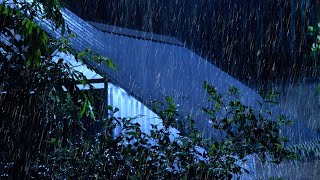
{"x": 160, "y": 154}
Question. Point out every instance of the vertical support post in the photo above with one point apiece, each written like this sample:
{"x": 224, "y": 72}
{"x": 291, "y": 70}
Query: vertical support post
{"x": 105, "y": 102}
{"x": 106, "y": 81}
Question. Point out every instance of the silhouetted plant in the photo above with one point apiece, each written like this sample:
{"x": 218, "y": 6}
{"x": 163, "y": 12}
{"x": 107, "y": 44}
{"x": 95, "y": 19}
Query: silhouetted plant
{"x": 34, "y": 107}
{"x": 161, "y": 154}
{"x": 248, "y": 130}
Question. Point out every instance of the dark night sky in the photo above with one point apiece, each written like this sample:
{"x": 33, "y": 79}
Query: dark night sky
{"x": 251, "y": 40}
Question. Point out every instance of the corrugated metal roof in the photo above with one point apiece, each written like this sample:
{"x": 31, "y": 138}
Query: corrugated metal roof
{"x": 136, "y": 34}
{"x": 117, "y": 97}
{"x": 150, "y": 71}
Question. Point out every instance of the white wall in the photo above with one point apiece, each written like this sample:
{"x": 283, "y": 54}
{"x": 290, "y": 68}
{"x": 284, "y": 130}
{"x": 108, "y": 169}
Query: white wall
{"x": 131, "y": 107}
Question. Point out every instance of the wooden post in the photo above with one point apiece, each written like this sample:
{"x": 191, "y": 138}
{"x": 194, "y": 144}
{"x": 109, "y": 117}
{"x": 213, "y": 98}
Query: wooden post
{"x": 105, "y": 109}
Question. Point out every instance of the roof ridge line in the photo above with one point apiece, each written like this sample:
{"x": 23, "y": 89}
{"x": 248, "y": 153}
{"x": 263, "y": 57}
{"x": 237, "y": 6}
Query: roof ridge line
{"x": 136, "y": 33}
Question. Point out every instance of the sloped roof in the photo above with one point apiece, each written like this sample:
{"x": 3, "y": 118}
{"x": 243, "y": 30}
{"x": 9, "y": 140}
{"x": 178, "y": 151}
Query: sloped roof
{"x": 136, "y": 34}
{"x": 151, "y": 70}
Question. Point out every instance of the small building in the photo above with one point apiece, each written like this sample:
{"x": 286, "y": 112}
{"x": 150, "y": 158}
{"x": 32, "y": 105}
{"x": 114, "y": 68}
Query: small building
{"x": 152, "y": 66}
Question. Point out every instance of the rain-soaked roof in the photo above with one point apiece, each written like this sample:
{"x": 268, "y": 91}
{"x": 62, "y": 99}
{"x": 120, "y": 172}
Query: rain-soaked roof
{"x": 252, "y": 40}
{"x": 136, "y": 34}
{"x": 150, "y": 70}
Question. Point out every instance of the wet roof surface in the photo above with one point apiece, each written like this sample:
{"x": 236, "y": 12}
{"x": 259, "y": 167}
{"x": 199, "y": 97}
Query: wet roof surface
{"x": 150, "y": 70}
{"x": 136, "y": 34}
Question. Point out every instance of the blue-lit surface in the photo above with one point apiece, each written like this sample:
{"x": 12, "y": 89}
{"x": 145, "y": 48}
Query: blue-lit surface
{"x": 130, "y": 107}
{"x": 117, "y": 97}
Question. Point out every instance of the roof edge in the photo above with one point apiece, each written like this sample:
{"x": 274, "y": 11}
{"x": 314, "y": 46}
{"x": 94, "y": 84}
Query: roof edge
{"x": 136, "y": 34}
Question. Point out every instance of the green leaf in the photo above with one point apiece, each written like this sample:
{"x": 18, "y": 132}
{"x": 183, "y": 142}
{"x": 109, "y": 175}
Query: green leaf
{"x": 82, "y": 54}
{"x": 38, "y": 53}
{"x": 28, "y": 63}
{"x": 53, "y": 141}
{"x": 6, "y": 10}
{"x": 84, "y": 108}
{"x": 313, "y": 47}
{"x": 31, "y": 26}
{"x": 27, "y": 24}
{"x": 44, "y": 38}
{"x": 90, "y": 110}
{"x": 233, "y": 90}
{"x": 132, "y": 133}
{"x": 110, "y": 108}
{"x": 111, "y": 65}
{"x": 311, "y": 29}
{"x": 115, "y": 110}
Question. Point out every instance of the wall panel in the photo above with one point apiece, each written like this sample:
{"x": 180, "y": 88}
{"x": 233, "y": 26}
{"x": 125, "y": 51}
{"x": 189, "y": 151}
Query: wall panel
{"x": 131, "y": 107}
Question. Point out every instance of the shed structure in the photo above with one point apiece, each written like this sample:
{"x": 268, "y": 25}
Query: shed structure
{"x": 151, "y": 67}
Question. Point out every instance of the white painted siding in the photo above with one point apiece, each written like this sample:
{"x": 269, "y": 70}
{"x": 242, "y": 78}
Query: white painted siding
{"x": 131, "y": 107}
{"x": 117, "y": 97}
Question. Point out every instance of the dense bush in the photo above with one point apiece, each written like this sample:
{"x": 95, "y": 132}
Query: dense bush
{"x": 44, "y": 128}
{"x": 161, "y": 154}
